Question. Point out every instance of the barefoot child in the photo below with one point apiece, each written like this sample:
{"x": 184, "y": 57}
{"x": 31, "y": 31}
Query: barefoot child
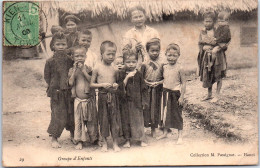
{"x": 152, "y": 73}
{"x": 104, "y": 78}
{"x": 85, "y": 113}
{"x": 212, "y": 64}
{"x": 56, "y": 76}
{"x": 174, "y": 86}
{"x": 132, "y": 89}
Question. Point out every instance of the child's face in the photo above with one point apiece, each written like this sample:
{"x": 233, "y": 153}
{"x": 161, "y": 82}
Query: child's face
{"x": 208, "y": 23}
{"x": 85, "y": 40}
{"x": 71, "y": 26}
{"x": 119, "y": 63}
{"x": 109, "y": 55}
{"x": 172, "y": 56}
{"x": 60, "y": 44}
{"x": 154, "y": 52}
{"x": 79, "y": 55}
{"x": 130, "y": 63}
{"x": 138, "y": 18}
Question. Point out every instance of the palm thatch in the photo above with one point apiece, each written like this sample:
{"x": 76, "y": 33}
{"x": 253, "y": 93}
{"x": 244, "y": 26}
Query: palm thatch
{"x": 154, "y": 8}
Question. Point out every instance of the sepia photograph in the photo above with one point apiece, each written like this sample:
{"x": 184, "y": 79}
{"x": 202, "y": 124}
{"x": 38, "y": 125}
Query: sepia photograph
{"x": 129, "y": 83}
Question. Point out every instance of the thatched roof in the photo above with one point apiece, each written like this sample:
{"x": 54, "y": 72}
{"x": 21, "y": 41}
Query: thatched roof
{"x": 154, "y": 8}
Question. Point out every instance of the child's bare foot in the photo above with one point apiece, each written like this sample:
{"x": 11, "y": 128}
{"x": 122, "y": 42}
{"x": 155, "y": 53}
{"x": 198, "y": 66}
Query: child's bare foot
{"x": 179, "y": 142}
{"x": 207, "y": 98}
{"x": 127, "y": 144}
{"x": 79, "y": 146}
{"x": 116, "y": 147}
{"x": 104, "y": 147}
{"x": 55, "y": 143}
{"x": 164, "y": 135}
{"x": 143, "y": 144}
{"x": 214, "y": 100}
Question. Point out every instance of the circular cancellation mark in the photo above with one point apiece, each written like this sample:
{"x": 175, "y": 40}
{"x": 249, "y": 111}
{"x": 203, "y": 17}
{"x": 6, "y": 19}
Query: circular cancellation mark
{"x": 22, "y": 24}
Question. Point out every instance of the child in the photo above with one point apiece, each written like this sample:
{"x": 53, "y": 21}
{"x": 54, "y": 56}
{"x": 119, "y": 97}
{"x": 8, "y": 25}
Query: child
{"x": 132, "y": 89}
{"x": 174, "y": 86}
{"x": 119, "y": 62}
{"x": 85, "y": 112}
{"x": 222, "y": 34}
{"x": 56, "y": 76}
{"x": 211, "y": 71}
{"x": 104, "y": 78}
{"x": 152, "y": 73}
{"x": 137, "y": 37}
{"x": 84, "y": 39}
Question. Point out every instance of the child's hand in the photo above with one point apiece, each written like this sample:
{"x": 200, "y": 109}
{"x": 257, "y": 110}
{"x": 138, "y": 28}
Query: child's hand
{"x": 138, "y": 46}
{"x": 107, "y": 85}
{"x": 75, "y": 65}
{"x": 80, "y": 66}
{"x": 131, "y": 74}
{"x": 115, "y": 86}
{"x": 181, "y": 101}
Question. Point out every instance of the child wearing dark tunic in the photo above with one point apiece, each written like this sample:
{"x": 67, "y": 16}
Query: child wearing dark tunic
{"x": 152, "y": 74}
{"x": 85, "y": 113}
{"x": 104, "y": 78}
{"x": 222, "y": 34}
{"x": 211, "y": 68}
{"x": 174, "y": 86}
{"x": 56, "y": 76}
{"x": 131, "y": 90}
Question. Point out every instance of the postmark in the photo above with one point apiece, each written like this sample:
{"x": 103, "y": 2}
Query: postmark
{"x": 21, "y": 24}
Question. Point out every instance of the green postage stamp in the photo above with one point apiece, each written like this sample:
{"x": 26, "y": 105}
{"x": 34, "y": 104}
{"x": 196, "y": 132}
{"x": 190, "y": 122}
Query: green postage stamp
{"x": 21, "y": 23}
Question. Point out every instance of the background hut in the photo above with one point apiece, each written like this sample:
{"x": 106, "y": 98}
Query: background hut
{"x": 177, "y": 21}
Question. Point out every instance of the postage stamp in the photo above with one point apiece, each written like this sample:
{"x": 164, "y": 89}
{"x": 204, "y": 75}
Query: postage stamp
{"x": 21, "y": 23}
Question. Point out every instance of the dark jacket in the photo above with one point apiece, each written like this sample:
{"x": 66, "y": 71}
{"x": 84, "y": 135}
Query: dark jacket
{"x": 56, "y": 72}
{"x": 222, "y": 34}
{"x": 135, "y": 89}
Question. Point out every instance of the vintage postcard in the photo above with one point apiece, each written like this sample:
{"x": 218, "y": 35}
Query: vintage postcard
{"x": 130, "y": 83}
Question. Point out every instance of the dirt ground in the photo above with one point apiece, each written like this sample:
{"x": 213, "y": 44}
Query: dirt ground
{"x": 26, "y": 115}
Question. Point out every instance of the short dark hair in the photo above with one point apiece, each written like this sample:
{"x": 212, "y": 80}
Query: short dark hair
{"x": 56, "y": 28}
{"x": 138, "y": 7}
{"x": 153, "y": 41}
{"x": 85, "y": 31}
{"x": 58, "y": 35}
{"x": 209, "y": 14}
{"x": 106, "y": 43}
{"x": 174, "y": 47}
{"x": 223, "y": 15}
{"x": 129, "y": 53}
{"x": 73, "y": 49}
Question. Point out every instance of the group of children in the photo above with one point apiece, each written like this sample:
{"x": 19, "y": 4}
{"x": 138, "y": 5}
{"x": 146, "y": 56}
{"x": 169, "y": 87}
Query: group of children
{"x": 91, "y": 95}
{"x": 129, "y": 99}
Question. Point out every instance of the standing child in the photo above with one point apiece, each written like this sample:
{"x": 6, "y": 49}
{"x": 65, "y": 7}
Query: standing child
{"x": 174, "y": 86}
{"x": 152, "y": 73}
{"x": 212, "y": 64}
{"x": 85, "y": 112}
{"x": 85, "y": 39}
{"x": 56, "y": 76}
{"x": 132, "y": 89}
{"x": 104, "y": 78}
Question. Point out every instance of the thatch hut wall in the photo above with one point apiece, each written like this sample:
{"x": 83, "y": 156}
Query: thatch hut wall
{"x": 186, "y": 34}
